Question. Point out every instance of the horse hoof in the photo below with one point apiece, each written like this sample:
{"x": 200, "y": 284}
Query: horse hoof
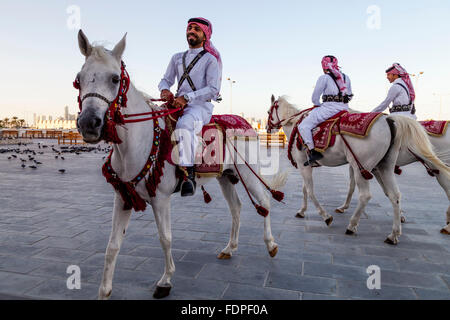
{"x": 444, "y": 231}
{"x": 298, "y": 215}
{"x": 161, "y": 292}
{"x": 402, "y": 219}
{"x": 224, "y": 256}
{"x": 349, "y": 232}
{"x": 329, "y": 221}
{"x": 339, "y": 210}
{"x": 389, "y": 241}
{"x": 273, "y": 252}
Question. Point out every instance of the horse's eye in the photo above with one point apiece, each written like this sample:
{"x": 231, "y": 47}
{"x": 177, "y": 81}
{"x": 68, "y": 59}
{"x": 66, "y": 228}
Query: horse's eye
{"x": 115, "y": 79}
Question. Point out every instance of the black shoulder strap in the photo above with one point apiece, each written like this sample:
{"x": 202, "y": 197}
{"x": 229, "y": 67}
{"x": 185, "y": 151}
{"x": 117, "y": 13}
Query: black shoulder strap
{"x": 334, "y": 79}
{"x": 185, "y": 75}
{"x": 407, "y": 92}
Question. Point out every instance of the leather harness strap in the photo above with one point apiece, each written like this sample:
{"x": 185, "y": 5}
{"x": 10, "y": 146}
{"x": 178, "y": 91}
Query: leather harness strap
{"x": 187, "y": 70}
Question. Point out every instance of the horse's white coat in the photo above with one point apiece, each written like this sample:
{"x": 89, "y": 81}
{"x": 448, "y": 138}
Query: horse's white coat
{"x": 130, "y": 156}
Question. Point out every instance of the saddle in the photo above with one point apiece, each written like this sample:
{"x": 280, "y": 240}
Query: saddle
{"x": 324, "y": 135}
{"x": 435, "y": 128}
{"x": 209, "y": 159}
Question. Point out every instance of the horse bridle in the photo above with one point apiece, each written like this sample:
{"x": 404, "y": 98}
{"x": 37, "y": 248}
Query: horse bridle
{"x": 277, "y": 125}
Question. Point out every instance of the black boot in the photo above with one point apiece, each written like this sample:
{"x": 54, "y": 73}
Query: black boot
{"x": 313, "y": 156}
{"x": 189, "y": 184}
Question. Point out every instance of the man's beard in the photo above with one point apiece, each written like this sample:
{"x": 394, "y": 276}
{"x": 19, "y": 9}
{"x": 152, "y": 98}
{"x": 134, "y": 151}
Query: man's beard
{"x": 194, "y": 41}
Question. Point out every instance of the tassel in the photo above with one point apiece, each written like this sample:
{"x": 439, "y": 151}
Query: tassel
{"x": 110, "y": 134}
{"x": 397, "y": 170}
{"x": 277, "y": 195}
{"x": 432, "y": 172}
{"x": 206, "y": 196}
{"x": 366, "y": 174}
{"x": 118, "y": 117}
{"x": 136, "y": 201}
{"x": 261, "y": 210}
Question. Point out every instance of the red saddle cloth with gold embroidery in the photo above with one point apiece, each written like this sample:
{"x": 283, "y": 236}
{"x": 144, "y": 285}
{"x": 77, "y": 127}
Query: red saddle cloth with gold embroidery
{"x": 435, "y": 127}
{"x": 209, "y": 160}
{"x": 324, "y": 135}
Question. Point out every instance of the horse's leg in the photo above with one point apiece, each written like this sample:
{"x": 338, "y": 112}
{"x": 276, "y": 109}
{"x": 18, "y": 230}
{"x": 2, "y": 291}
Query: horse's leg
{"x": 445, "y": 184}
{"x": 256, "y": 190}
{"x": 234, "y": 203}
{"x": 351, "y": 189}
{"x": 161, "y": 209}
{"x": 386, "y": 175}
{"x": 308, "y": 181}
{"x": 119, "y": 227}
{"x": 364, "y": 197}
{"x": 301, "y": 212}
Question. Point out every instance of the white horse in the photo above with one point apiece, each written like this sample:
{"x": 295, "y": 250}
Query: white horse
{"x": 377, "y": 153}
{"x": 99, "y": 79}
{"x": 441, "y": 146}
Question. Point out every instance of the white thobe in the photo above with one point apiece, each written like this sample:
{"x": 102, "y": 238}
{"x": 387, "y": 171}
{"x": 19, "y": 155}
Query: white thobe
{"x": 206, "y": 76}
{"x": 399, "y": 97}
{"x": 325, "y": 86}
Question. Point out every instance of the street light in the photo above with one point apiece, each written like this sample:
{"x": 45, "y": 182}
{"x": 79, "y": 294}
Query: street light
{"x": 231, "y": 94}
{"x": 440, "y": 102}
{"x": 417, "y": 76}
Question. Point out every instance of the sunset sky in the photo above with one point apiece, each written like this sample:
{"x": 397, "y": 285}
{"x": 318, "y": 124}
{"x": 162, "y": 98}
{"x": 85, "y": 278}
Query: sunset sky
{"x": 266, "y": 46}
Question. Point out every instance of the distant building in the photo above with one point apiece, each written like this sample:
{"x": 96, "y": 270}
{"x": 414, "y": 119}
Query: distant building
{"x": 66, "y": 113}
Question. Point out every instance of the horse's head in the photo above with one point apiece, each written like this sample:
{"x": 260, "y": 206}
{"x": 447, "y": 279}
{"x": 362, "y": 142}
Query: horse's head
{"x": 273, "y": 121}
{"x": 98, "y": 82}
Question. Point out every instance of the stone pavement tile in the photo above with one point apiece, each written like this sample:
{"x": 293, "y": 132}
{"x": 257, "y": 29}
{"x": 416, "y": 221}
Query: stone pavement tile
{"x": 139, "y": 239}
{"x": 129, "y": 278}
{"x": 358, "y": 289}
{"x": 198, "y": 288}
{"x": 183, "y": 244}
{"x": 427, "y": 294}
{"x": 20, "y": 227}
{"x": 223, "y": 238}
{"x": 20, "y": 249}
{"x": 447, "y": 279}
{"x": 22, "y": 238}
{"x": 333, "y": 248}
{"x": 275, "y": 264}
{"x": 436, "y": 257}
{"x": 423, "y": 267}
{"x": 301, "y": 255}
{"x": 17, "y": 284}
{"x": 391, "y": 251}
{"x": 205, "y": 227}
{"x": 314, "y": 296}
{"x": 294, "y": 236}
{"x": 61, "y": 242}
{"x": 365, "y": 261}
{"x": 4, "y": 296}
{"x": 19, "y": 264}
{"x": 57, "y": 289}
{"x": 188, "y": 234}
{"x": 155, "y": 252}
{"x": 59, "y": 232}
{"x": 247, "y": 275}
{"x": 416, "y": 280}
{"x": 201, "y": 257}
{"x": 182, "y": 268}
{"x": 334, "y": 271}
{"x": 301, "y": 283}
{"x": 63, "y": 255}
{"x": 237, "y": 291}
{"x": 123, "y": 261}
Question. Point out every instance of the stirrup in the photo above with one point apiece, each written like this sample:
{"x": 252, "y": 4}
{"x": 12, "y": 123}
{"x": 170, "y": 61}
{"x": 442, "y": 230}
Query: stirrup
{"x": 188, "y": 188}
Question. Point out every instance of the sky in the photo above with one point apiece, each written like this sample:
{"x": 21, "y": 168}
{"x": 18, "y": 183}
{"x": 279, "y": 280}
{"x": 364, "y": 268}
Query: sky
{"x": 267, "y": 47}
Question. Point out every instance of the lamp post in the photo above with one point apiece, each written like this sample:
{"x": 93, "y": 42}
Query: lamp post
{"x": 231, "y": 94}
{"x": 440, "y": 102}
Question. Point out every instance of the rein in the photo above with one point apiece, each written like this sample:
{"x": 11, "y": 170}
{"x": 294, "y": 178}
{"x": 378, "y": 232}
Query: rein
{"x": 277, "y": 125}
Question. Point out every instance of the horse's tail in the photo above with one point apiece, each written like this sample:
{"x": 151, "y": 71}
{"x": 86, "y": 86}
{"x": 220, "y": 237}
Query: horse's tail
{"x": 278, "y": 181}
{"x": 413, "y": 136}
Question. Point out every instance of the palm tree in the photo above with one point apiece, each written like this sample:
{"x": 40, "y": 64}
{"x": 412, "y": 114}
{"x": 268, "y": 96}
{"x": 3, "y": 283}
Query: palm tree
{"x": 21, "y": 122}
{"x": 14, "y": 122}
{"x": 6, "y": 122}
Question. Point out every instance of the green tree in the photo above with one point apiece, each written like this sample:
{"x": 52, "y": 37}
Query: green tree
{"x": 6, "y": 122}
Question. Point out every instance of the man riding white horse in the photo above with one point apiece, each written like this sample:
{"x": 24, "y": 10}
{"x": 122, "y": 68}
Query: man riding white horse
{"x": 336, "y": 92}
{"x": 198, "y": 72}
{"x": 401, "y": 94}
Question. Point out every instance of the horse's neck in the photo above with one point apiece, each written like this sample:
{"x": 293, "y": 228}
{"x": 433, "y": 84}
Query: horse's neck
{"x": 289, "y": 126}
{"x": 130, "y": 156}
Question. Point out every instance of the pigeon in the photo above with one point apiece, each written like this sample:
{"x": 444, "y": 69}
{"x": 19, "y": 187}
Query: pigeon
{"x": 62, "y": 158}
{"x": 33, "y": 167}
{"x": 37, "y": 162}
{"x": 14, "y": 156}
{"x": 62, "y": 170}
{"x": 56, "y": 157}
{"x": 9, "y": 158}
{"x": 23, "y": 166}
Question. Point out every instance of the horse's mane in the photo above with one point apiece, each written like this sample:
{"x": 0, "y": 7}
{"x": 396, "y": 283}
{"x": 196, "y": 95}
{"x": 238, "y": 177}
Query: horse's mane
{"x": 289, "y": 109}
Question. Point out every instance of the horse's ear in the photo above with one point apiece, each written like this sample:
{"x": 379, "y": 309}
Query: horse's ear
{"x": 272, "y": 99}
{"x": 120, "y": 48}
{"x": 83, "y": 43}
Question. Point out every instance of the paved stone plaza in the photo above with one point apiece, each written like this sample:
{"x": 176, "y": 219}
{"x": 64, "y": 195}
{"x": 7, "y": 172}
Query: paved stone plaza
{"x": 50, "y": 220}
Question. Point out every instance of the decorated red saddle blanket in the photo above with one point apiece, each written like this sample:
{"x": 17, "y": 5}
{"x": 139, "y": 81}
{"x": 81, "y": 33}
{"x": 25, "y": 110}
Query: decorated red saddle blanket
{"x": 435, "y": 127}
{"x": 209, "y": 160}
{"x": 354, "y": 124}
